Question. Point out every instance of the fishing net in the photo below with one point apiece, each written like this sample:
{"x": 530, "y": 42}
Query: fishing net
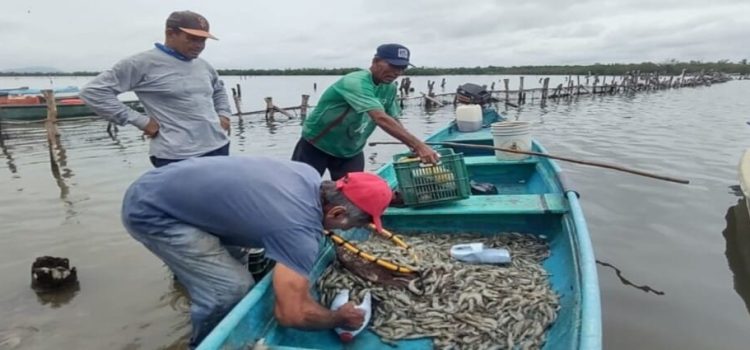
{"x": 370, "y": 271}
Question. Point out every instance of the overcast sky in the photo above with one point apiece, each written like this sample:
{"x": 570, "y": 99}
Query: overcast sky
{"x": 93, "y": 35}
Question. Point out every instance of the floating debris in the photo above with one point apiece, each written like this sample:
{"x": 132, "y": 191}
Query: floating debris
{"x": 50, "y": 273}
{"x": 459, "y": 305}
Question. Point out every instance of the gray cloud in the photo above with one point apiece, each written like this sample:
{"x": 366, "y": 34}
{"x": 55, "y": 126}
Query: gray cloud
{"x": 92, "y": 35}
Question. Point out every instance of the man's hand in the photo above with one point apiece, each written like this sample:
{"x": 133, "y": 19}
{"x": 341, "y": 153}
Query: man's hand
{"x": 350, "y": 317}
{"x": 395, "y": 129}
{"x": 426, "y": 154}
{"x": 294, "y": 307}
{"x": 152, "y": 128}
{"x": 225, "y": 123}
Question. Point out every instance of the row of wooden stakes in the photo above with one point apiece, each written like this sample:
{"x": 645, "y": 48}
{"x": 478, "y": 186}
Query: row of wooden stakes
{"x": 630, "y": 82}
{"x": 573, "y": 86}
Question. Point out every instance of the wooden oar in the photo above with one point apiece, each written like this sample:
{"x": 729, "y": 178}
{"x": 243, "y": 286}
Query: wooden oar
{"x": 584, "y": 162}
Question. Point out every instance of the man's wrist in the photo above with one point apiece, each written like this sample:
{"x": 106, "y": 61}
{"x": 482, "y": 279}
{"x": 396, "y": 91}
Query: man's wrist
{"x": 139, "y": 120}
{"x": 338, "y": 320}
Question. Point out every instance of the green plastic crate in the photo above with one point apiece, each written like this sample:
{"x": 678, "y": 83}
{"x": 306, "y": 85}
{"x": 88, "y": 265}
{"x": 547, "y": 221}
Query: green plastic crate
{"x": 422, "y": 184}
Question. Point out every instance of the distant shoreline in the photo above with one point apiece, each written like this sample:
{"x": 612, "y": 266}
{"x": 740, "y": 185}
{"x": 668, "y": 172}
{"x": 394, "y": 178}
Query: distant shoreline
{"x": 669, "y": 68}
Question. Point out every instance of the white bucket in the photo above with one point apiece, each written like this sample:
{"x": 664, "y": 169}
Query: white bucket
{"x": 469, "y": 117}
{"x": 513, "y": 135}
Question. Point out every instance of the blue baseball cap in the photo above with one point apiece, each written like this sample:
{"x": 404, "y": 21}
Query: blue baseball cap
{"x": 395, "y": 54}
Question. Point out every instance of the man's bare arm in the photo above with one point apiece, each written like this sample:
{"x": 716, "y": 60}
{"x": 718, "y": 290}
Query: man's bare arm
{"x": 395, "y": 129}
{"x": 296, "y": 308}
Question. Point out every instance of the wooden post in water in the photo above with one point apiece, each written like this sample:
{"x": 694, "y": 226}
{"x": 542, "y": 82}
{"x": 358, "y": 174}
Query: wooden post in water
{"x": 578, "y": 82}
{"x": 629, "y": 81}
{"x": 545, "y": 86}
{"x": 51, "y": 123}
{"x": 406, "y": 86}
{"x": 653, "y": 83}
{"x": 427, "y": 103}
{"x": 570, "y": 86}
{"x": 430, "y": 97}
{"x": 237, "y": 96}
{"x": 51, "y": 126}
{"x": 269, "y": 108}
{"x": 507, "y": 97}
{"x": 682, "y": 77}
{"x": 596, "y": 81}
{"x": 558, "y": 92}
{"x": 632, "y": 82}
{"x": 520, "y": 91}
{"x": 638, "y": 79}
{"x": 303, "y": 106}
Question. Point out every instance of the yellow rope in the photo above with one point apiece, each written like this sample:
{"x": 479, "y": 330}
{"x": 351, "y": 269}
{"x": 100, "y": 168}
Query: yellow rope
{"x": 362, "y": 254}
{"x": 396, "y": 240}
{"x": 389, "y": 235}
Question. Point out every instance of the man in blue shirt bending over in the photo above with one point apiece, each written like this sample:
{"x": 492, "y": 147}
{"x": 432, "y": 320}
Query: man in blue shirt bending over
{"x": 188, "y": 212}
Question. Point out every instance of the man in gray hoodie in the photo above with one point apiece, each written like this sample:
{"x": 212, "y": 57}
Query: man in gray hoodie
{"x": 187, "y": 108}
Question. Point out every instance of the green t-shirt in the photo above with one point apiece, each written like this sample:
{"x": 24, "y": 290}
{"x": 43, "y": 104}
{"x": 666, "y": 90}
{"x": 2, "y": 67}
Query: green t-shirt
{"x": 354, "y": 94}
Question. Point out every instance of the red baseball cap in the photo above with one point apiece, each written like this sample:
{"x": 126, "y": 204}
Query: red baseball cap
{"x": 368, "y": 192}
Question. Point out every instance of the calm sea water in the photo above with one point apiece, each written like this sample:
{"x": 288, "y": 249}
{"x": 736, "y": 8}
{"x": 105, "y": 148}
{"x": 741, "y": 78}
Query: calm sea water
{"x": 675, "y": 261}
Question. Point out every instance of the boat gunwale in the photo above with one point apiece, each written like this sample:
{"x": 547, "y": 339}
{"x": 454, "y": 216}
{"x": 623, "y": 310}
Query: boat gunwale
{"x": 590, "y": 336}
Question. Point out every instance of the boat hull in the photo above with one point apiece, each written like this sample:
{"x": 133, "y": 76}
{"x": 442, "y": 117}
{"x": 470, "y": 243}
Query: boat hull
{"x": 744, "y": 171}
{"x": 28, "y": 91}
{"x": 39, "y": 112}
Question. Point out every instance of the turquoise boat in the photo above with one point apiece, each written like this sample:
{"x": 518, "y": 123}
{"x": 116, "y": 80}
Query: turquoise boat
{"x": 25, "y": 90}
{"x": 533, "y": 198}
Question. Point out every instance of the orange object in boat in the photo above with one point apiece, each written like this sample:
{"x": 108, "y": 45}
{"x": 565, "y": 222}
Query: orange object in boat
{"x": 70, "y": 101}
{"x": 20, "y": 100}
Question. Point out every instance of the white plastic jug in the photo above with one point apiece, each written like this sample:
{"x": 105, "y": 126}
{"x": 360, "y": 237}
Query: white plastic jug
{"x": 477, "y": 253}
{"x": 469, "y": 117}
{"x": 515, "y": 135}
{"x": 341, "y": 298}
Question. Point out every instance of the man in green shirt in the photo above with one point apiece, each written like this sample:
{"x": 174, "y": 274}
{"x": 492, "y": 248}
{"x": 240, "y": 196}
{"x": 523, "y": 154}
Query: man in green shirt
{"x": 335, "y": 133}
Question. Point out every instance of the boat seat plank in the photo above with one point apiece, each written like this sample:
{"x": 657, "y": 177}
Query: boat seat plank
{"x": 493, "y": 204}
{"x": 477, "y": 136}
